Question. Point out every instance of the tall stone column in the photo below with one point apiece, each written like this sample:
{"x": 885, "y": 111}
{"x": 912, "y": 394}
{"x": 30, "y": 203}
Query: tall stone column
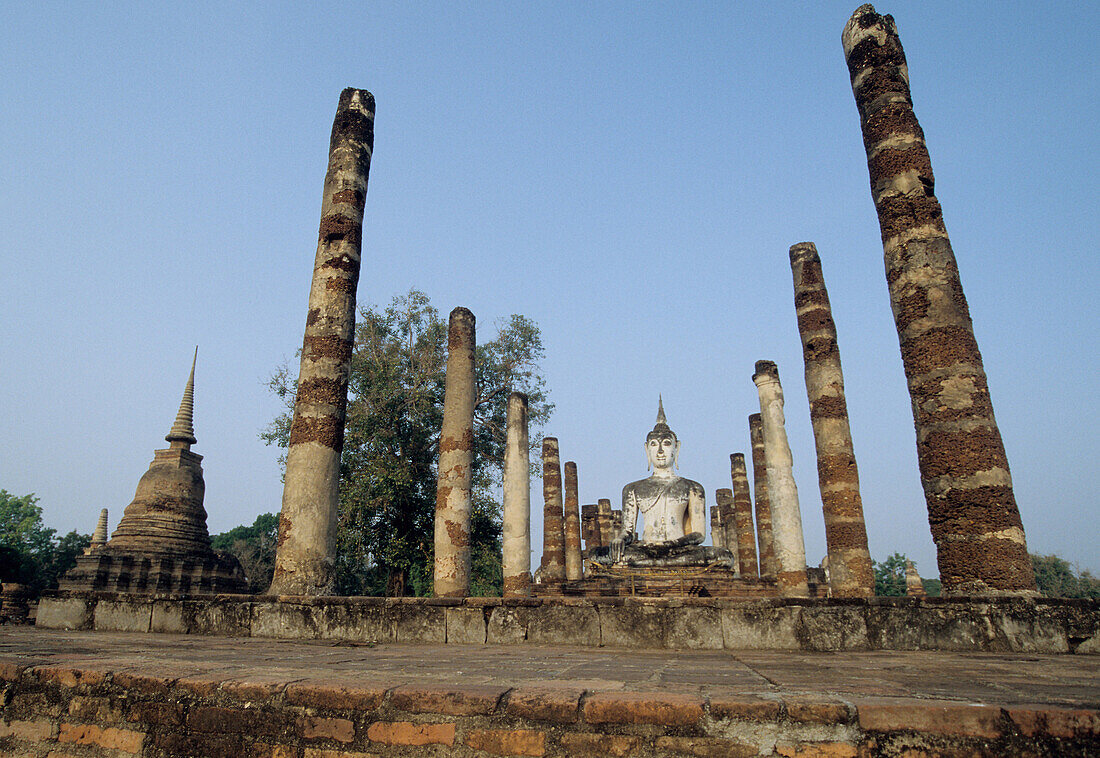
{"x": 717, "y": 530}
{"x": 517, "y": 500}
{"x": 305, "y": 557}
{"x": 972, "y": 510}
{"x": 760, "y": 497}
{"x": 790, "y": 549}
{"x": 590, "y": 526}
{"x": 723, "y": 500}
{"x": 850, "y": 573}
{"x": 553, "y": 533}
{"x": 454, "y": 492}
{"x": 603, "y": 516}
{"x": 574, "y": 566}
{"x": 742, "y": 516}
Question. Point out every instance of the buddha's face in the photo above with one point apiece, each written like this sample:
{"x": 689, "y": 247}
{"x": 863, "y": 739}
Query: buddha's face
{"x": 661, "y": 449}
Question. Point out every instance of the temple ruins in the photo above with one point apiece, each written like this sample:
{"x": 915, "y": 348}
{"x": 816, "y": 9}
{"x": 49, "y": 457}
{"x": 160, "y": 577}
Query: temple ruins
{"x": 749, "y": 586}
{"x": 161, "y": 545}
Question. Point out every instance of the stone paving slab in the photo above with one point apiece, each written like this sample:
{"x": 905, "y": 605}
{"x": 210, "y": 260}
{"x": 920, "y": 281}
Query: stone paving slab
{"x": 988, "y": 678}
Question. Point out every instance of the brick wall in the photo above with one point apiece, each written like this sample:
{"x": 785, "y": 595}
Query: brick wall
{"x": 61, "y": 712}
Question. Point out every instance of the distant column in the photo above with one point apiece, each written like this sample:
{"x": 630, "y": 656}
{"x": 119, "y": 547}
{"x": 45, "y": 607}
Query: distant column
{"x": 553, "y": 534}
{"x": 760, "y": 495}
{"x": 850, "y": 573}
{"x": 517, "y": 501}
{"x": 603, "y": 516}
{"x": 574, "y": 565}
{"x": 976, "y": 525}
{"x": 590, "y": 526}
{"x": 790, "y": 549}
{"x": 723, "y": 499}
{"x": 717, "y": 530}
{"x": 742, "y": 516}
{"x": 454, "y": 493}
{"x": 306, "y": 556}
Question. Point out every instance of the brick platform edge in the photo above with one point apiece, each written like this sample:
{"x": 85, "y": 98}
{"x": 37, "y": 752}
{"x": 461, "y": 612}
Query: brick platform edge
{"x": 63, "y": 711}
{"x": 949, "y": 624}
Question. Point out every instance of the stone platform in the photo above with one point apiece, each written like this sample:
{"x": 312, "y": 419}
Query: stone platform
{"x": 156, "y": 695}
{"x": 960, "y": 624}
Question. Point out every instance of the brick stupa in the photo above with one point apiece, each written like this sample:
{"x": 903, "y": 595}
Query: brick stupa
{"x": 161, "y": 545}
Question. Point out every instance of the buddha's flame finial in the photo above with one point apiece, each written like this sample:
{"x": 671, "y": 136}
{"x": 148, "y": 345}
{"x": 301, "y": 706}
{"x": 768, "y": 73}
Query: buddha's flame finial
{"x": 183, "y": 431}
{"x": 661, "y": 427}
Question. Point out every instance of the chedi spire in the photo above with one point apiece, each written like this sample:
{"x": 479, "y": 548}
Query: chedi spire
{"x": 182, "y": 433}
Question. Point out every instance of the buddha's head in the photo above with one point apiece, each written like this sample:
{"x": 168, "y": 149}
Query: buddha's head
{"x": 661, "y": 445}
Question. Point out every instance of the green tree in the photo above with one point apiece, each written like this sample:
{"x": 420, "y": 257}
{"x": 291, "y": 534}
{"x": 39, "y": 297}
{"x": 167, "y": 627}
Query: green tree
{"x": 391, "y": 443}
{"x": 890, "y": 576}
{"x": 1056, "y": 578}
{"x": 63, "y": 556}
{"x": 254, "y": 547}
{"x": 30, "y": 552}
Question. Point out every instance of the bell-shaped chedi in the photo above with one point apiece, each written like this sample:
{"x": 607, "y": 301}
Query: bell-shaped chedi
{"x": 162, "y": 544}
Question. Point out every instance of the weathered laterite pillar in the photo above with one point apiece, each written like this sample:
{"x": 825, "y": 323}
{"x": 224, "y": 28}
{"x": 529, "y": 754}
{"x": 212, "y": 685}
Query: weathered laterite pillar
{"x": 971, "y": 506}
{"x": 590, "y": 526}
{"x": 553, "y": 533}
{"x": 742, "y": 516}
{"x": 517, "y": 500}
{"x": 850, "y": 573}
{"x": 574, "y": 567}
{"x": 305, "y": 557}
{"x": 454, "y": 492}
{"x": 603, "y": 516}
{"x": 717, "y": 531}
{"x": 790, "y": 549}
{"x": 723, "y": 501}
{"x": 760, "y": 496}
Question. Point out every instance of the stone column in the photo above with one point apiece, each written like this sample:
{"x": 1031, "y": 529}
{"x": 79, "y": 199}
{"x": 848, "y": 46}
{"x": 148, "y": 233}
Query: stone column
{"x": 517, "y": 501}
{"x": 742, "y": 516}
{"x": 760, "y": 495}
{"x": 723, "y": 501}
{"x": 972, "y": 510}
{"x": 603, "y": 515}
{"x": 553, "y": 534}
{"x": 590, "y": 526}
{"x": 454, "y": 493}
{"x": 574, "y": 566}
{"x": 850, "y": 573}
{"x": 790, "y": 549}
{"x": 305, "y": 558}
{"x": 717, "y": 530}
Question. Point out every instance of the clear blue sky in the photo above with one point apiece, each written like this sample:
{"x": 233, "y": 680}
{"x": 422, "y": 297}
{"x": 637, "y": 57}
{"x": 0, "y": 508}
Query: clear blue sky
{"x": 628, "y": 175}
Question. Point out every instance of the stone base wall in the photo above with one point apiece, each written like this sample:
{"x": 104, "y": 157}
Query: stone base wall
{"x": 69, "y": 711}
{"x": 1001, "y": 625}
{"x": 148, "y": 573}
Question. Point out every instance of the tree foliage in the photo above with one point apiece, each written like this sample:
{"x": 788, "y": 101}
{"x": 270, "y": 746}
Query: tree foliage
{"x": 890, "y": 576}
{"x": 391, "y": 443}
{"x": 254, "y": 547}
{"x": 1057, "y": 578}
{"x": 30, "y": 552}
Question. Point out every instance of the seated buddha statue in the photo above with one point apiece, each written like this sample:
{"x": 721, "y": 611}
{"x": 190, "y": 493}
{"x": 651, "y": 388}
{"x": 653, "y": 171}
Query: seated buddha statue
{"x": 672, "y": 507}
